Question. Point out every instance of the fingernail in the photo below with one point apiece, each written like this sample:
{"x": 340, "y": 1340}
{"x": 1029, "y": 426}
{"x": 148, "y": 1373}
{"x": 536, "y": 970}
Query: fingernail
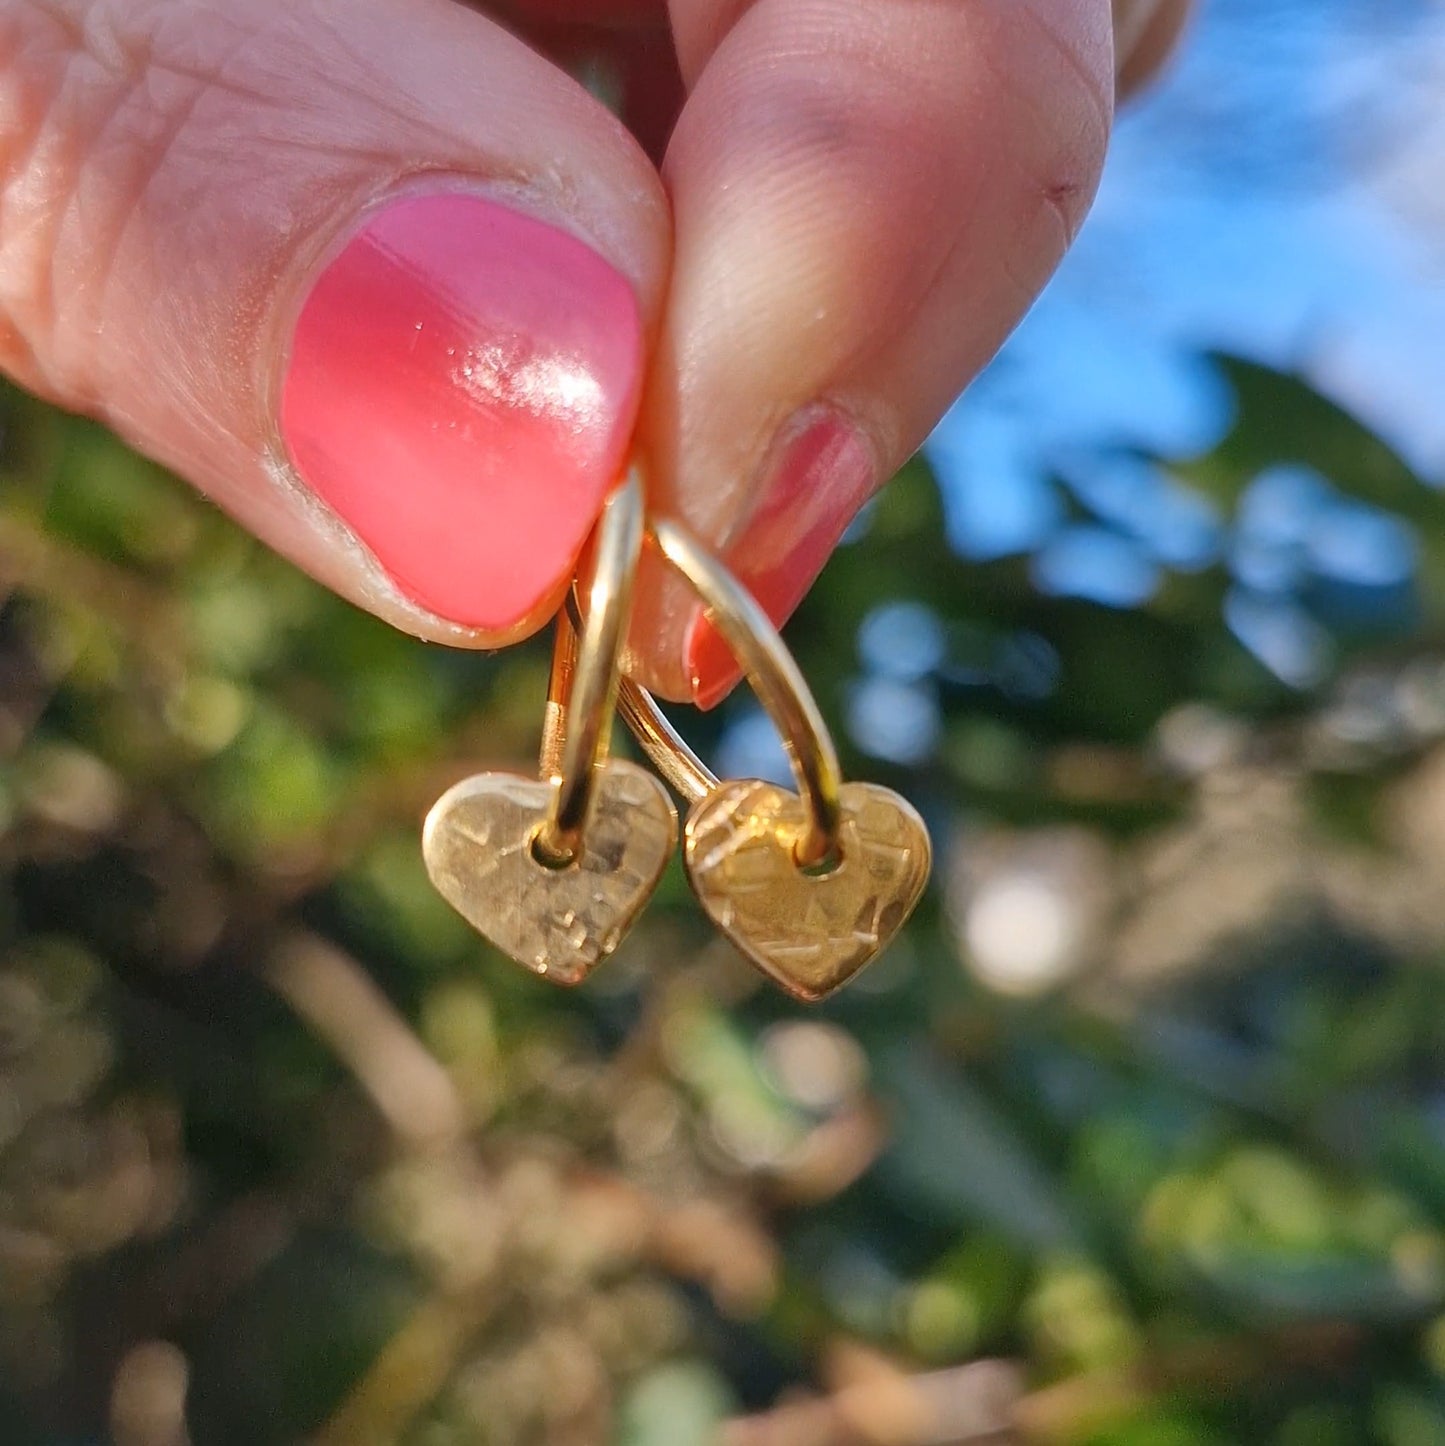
{"x": 822, "y": 472}
{"x": 461, "y": 389}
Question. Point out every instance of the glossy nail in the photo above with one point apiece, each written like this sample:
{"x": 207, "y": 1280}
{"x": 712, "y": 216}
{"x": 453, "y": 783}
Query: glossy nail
{"x": 461, "y": 389}
{"x": 822, "y": 475}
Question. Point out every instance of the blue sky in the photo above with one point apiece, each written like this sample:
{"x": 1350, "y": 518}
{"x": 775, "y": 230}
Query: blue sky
{"x": 1273, "y": 200}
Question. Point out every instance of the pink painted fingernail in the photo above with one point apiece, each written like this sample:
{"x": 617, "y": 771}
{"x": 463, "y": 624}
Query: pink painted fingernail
{"x": 822, "y": 474}
{"x": 461, "y": 389}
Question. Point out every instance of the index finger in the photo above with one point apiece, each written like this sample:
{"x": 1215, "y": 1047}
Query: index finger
{"x": 867, "y": 197}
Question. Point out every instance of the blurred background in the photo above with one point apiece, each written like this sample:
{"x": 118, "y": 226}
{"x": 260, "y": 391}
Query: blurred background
{"x": 1136, "y": 1138}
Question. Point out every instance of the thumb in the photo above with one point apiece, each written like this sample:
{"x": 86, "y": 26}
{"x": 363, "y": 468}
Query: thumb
{"x": 374, "y": 276}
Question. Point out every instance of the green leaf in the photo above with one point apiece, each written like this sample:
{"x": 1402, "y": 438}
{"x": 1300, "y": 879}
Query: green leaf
{"x": 281, "y": 1356}
{"x": 956, "y": 1161}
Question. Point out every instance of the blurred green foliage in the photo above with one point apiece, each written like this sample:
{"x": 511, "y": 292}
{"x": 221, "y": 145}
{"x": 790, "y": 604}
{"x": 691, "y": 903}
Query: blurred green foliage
{"x": 1137, "y": 1138}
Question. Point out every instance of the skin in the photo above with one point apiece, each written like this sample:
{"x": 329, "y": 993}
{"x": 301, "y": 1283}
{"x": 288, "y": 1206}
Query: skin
{"x": 171, "y": 171}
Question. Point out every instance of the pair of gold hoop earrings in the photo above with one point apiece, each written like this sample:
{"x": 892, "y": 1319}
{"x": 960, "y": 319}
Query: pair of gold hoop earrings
{"x": 810, "y": 886}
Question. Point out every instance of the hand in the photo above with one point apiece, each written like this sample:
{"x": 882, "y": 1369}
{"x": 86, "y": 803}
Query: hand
{"x": 386, "y": 282}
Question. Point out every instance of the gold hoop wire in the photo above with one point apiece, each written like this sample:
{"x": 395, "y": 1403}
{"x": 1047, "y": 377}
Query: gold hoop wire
{"x": 774, "y": 678}
{"x": 586, "y": 657}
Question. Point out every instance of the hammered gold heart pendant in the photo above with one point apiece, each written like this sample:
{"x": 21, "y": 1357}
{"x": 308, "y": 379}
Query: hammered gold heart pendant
{"x": 810, "y": 886}
{"x": 554, "y": 871}
{"x": 810, "y": 930}
{"x": 482, "y": 845}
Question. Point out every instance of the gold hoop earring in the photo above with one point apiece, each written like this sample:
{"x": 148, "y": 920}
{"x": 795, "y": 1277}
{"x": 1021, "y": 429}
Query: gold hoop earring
{"x": 555, "y": 870}
{"x": 811, "y": 886}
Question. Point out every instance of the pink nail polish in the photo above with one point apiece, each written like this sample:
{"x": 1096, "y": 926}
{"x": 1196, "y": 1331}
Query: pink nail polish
{"x": 461, "y": 389}
{"x": 823, "y": 473}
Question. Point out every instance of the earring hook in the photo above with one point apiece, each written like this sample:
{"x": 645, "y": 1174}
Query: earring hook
{"x": 774, "y": 677}
{"x": 582, "y": 689}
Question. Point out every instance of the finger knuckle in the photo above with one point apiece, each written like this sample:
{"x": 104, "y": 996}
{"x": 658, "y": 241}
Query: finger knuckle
{"x": 89, "y": 116}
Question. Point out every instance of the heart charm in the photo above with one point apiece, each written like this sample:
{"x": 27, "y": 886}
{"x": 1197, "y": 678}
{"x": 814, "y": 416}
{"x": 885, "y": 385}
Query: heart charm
{"x": 557, "y": 921}
{"x": 810, "y": 931}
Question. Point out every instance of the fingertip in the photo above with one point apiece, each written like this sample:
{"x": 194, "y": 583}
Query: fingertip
{"x": 426, "y": 414}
